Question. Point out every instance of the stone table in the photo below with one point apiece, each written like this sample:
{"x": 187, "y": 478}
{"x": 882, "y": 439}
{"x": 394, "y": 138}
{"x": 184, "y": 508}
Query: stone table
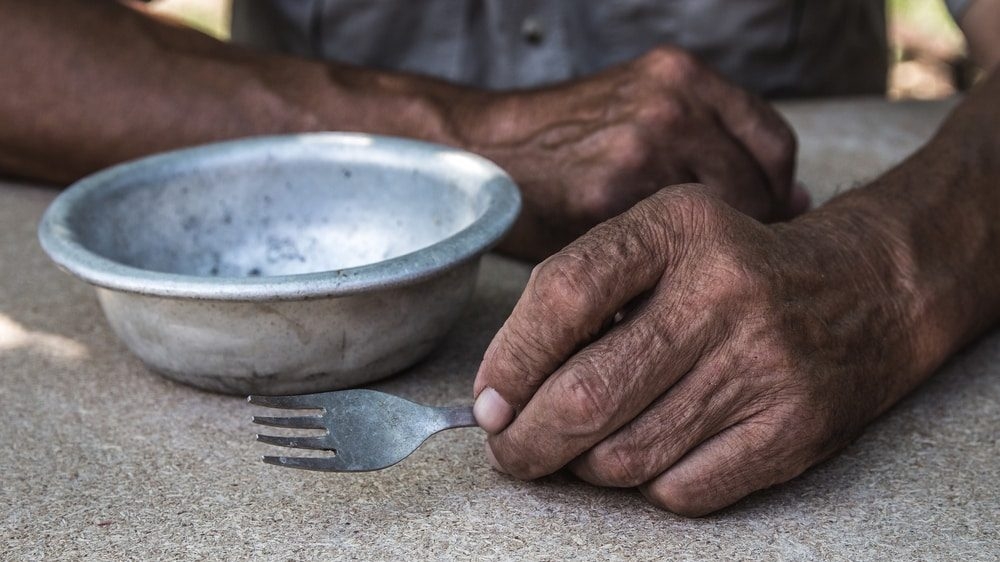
{"x": 102, "y": 458}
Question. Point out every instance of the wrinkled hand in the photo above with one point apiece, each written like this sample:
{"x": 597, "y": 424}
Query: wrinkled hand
{"x": 585, "y": 151}
{"x": 740, "y": 356}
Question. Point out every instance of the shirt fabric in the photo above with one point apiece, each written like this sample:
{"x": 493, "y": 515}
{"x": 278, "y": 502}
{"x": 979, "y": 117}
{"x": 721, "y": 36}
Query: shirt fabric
{"x": 773, "y": 47}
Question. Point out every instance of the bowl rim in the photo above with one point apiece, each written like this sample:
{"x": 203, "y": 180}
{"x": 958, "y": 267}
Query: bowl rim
{"x": 61, "y": 243}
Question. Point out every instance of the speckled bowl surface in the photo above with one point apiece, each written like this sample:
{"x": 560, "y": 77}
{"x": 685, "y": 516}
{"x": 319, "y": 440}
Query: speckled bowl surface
{"x": 283, "y": 264}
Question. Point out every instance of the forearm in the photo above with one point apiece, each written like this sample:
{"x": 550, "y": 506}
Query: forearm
{"x": 931, "y": 227}
{"x": 87, "y": 84}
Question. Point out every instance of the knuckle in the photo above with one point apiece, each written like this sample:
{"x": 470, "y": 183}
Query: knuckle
{"x": 691, "y": 197}
{"x": 666, "y": 112}
{"x": 652, "y": 58}
{"x": 634, "y": 237}
{"x": 588, "y": 401}
{"x": 779, "y": 454}
{"x": 684, "y": 65}
{"x": 564, "y": 285}
{"x": 777, "y": 447}
{"x": 679, "y": 219}
{"x": 631, "y": 149}
{"x": 515, "y": 356}
{"x": 694, "y": 206}
{"x": 619, "y": 465}
{"x": 673, "y": 62}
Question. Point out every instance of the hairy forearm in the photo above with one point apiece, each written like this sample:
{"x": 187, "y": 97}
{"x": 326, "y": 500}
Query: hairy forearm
{"x": 86, "y": 84}
{"x": 933, "y": 223}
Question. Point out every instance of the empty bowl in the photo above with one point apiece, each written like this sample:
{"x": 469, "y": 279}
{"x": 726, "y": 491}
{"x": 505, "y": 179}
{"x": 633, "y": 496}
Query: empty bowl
{"x": 283, "y": 264}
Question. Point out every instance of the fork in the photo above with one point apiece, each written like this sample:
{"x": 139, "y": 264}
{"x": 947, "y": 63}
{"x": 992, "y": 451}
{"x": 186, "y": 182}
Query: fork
{"x": 365, "y": 430}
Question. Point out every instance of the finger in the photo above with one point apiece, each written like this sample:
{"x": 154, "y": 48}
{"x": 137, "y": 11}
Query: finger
{"x": 605, "y": 385}
{"x": 747, "y": 457}
{"x": 760, "y": 129}
{"x": 799, "y": 202}
{"x": 568, "y": 299}
{"x": 733, "y": 172}
{"x": 697, "y": 407}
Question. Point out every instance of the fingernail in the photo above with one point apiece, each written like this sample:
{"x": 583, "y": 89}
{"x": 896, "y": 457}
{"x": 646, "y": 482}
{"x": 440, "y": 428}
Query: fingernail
{"x": 491, "y": 411}
{"x": 492, "y": 459}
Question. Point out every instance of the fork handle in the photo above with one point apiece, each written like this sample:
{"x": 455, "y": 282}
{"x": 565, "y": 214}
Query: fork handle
{"x": 460, "y": 416}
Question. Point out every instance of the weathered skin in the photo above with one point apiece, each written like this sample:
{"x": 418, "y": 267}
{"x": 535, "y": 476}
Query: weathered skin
{"x": 747, "y": 352}
{"x": 112, "y": 83}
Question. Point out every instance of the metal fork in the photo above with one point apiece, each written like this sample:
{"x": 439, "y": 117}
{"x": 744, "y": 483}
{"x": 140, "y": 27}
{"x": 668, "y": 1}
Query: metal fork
{"x": 366, "y": 430}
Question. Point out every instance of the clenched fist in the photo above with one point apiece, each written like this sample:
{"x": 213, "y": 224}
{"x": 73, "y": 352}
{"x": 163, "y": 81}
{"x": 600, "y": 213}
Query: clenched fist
{"x": 692, "y": 351}
{"x": 585, "y": 151}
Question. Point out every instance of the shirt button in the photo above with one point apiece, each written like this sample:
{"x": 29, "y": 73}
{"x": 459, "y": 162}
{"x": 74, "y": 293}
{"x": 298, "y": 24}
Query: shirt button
{"x": 532, "y": 30}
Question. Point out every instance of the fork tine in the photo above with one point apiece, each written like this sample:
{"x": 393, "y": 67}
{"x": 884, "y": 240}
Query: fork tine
{"x": 319, "y": 442}
{"x": 327, "y": 464}
{"x": 304, "y": 401}
{"x": 299, "y": 422}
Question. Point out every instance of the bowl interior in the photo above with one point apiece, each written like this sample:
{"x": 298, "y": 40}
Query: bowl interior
{"x": 281, "y": 211}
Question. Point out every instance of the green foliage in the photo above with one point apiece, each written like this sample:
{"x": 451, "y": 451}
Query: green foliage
{"x": 929, "y": 16}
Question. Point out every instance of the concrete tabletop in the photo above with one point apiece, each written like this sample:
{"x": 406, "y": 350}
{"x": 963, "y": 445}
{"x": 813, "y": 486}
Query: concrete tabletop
{"x": 100, "y": 458}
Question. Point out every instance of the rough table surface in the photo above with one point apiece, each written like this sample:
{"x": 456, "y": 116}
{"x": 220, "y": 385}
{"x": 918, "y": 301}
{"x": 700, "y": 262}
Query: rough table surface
{"x": 103, "y": 459}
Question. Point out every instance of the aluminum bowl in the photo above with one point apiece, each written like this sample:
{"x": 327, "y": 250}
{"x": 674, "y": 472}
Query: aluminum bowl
{"x": 283, "y": 264}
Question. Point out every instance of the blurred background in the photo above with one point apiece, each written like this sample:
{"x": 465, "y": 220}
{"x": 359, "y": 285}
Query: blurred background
{"x": 928, "y": 52}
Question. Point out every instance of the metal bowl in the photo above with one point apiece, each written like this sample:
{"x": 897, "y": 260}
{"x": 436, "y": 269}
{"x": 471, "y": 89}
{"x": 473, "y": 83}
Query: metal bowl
{"x": 283, "y": 264}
